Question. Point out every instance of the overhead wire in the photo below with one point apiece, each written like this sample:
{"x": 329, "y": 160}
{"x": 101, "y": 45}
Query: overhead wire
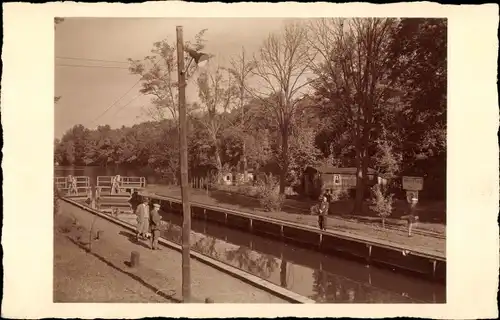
{"x": 123, "y": 107}
{"x": 89, "y": 59}
{"x": 116, "y": 101}
{"x": 89, "y": 66}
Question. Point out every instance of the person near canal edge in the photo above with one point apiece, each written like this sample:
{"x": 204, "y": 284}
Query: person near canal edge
{"x": 411, "y": 217}
{"x": 155, "y": 222}
{"x": 143, "y": 219}
{"x": 323, "y": 212}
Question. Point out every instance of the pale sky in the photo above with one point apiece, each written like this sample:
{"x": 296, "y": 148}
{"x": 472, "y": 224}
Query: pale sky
{"x": 88, "y": 91}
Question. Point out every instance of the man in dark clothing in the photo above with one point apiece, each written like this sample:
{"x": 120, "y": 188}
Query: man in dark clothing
{"x": 155, "y": 226}
{"x": 134, "y": 201}
{"x": 323, "y": 213}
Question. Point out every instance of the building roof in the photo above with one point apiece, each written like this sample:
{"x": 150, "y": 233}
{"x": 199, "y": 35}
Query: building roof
{"x": 335, "y": 170}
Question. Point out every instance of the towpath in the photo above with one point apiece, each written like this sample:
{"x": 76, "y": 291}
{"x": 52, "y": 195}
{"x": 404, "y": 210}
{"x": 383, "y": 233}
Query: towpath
{"x": 104, "y": 273}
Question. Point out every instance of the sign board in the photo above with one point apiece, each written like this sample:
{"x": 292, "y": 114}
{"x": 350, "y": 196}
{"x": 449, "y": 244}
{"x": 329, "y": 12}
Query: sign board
{"x": 410, "y": 194}
{"x": 413, "y": 183}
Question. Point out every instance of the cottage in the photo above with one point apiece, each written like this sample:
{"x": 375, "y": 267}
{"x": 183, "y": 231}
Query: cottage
{"x": 317, "y": 179}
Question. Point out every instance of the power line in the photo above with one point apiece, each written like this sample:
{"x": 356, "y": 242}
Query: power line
{"x": 88, "y": 59}
{"x": 89, "y": 66}
{"x": 123, "y": 107}
{"x": 113, "y": 104}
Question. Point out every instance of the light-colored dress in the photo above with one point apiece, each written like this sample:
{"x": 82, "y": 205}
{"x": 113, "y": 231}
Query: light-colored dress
{"x": 142, "y": 218}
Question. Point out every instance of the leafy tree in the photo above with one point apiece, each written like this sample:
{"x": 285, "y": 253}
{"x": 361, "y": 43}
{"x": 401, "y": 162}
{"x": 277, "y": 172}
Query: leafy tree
{"x": 353, "y": 75}
{"x": 419, "y": 54}
{"x": 216, "y": 93}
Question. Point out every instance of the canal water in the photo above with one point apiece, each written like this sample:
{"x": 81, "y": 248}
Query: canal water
{"x": 321, "y": 277}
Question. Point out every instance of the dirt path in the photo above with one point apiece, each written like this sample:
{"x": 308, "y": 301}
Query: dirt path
{"x": 104, "y": 274}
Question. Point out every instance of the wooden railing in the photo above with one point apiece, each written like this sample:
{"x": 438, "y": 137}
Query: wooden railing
{"x": 125, "y": 182}
{"x": 125, "y": 185}
{"x": 81, "y": 186}
{"x": 133, "y": 182}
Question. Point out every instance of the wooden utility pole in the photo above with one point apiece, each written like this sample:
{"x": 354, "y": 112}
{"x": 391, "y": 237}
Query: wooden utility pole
{"x": 186, "y": 207}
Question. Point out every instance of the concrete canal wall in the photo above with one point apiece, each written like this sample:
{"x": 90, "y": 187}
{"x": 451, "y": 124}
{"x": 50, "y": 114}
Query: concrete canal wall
{"x": 331, "y": 242}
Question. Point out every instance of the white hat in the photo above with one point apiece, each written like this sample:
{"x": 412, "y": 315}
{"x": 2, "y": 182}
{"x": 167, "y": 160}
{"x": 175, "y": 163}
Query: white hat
{"x": 156, "y": 205}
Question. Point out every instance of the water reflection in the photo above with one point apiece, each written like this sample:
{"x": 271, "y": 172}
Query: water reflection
{"x": 320, "y": 277}
{"x": 242, "y": 257}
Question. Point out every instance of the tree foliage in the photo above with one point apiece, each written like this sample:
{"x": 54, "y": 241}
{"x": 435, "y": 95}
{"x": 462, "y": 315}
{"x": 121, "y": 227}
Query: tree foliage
{"x": 158, "y": 73}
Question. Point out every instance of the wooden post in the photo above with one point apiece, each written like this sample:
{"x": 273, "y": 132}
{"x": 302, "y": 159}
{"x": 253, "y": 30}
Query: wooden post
{"x": 134, "y": 259}
{"x": 186, "y": 208}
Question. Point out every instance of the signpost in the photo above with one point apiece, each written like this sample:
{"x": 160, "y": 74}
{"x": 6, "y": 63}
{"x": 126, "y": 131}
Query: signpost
{"x": 412, "y": 185}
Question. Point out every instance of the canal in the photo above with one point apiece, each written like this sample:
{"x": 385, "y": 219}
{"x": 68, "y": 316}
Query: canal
{"x": 323, "y": 278}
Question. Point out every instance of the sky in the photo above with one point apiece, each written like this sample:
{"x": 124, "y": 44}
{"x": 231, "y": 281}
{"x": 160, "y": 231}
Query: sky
{"x": 87, "y": 92}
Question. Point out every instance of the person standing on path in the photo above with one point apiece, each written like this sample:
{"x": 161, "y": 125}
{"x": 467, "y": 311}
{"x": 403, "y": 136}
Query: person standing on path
{"x": 411, "y": 217}
{"x": 155, "y": 222}
{"x": 143, "y": 219}
{"x": 323, "y": 212}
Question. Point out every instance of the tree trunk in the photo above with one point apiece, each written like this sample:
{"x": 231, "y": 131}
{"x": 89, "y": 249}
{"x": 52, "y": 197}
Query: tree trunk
{"x": 360, "y": 186}
{"x": 245, "y": 170}
{"x": 243, "y": 147}
{"x": 218, "y": 163}
{"x": 284, "y": 159}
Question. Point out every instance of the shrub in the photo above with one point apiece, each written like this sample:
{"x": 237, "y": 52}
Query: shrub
{"x": 338, "y": 194}
{"x": 247, "y": 190}
{"x": 268, "y": 194}
{"x": 382, "y": 202}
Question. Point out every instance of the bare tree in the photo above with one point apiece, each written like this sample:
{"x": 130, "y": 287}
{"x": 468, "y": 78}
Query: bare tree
{"x": 353, "y": 75}
{"x": 216, "y": 93}
{"x": 282, "y": 63}
{"x": 241, "y": 69}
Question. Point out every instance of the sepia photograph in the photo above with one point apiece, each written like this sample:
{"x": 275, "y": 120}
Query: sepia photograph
{"x": 250, "y": 160}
